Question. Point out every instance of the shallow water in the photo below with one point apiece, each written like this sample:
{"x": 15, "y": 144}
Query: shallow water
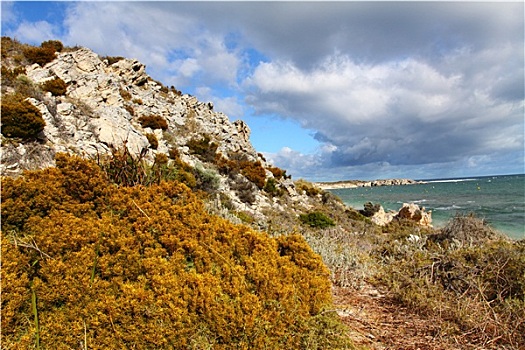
{"x": 498, "y": 199}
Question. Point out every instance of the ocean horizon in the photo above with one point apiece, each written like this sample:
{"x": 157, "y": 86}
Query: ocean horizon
{"x": 498, "y": 199}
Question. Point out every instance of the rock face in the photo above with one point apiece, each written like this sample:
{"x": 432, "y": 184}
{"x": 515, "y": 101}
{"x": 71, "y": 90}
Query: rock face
{"x": 102, "y": 107}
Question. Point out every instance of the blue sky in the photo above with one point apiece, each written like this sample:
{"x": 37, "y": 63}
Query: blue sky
{"x": 330, "y": 90}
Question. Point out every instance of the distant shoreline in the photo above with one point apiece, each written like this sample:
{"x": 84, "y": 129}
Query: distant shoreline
{"x": 361, "y": 183}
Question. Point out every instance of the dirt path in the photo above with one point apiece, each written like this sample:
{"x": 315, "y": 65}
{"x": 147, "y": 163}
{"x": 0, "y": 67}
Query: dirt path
{"x": 376, "y": 322}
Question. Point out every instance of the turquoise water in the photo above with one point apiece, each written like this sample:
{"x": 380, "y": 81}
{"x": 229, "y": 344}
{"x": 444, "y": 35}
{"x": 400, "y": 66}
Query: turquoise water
{"x": 498, "y": 199}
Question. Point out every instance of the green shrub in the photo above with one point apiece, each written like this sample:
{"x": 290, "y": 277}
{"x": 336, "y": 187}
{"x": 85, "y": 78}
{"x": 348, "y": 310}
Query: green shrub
{"x": 57, "y": 87}
{"x": 271, "y": 188}
{"x": 203, "y": 148}
{"x": 207, "y": 180}
{"x": 25, "y": 87}
{"x": 9, "y": 76}
{"x": 114, "y": 267}
{"x": 20, "y": 118}
{"x": 153, "y": 142}
{"x": 153, "y": 122}
{"x": 316, "y": 220}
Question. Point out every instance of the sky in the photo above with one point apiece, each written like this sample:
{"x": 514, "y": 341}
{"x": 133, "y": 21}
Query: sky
{"x": 330, "y": 90}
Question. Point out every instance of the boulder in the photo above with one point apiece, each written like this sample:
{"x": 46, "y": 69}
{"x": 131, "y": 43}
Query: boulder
{"x": 381, "y": 217}
{"x": 413, "y": 212}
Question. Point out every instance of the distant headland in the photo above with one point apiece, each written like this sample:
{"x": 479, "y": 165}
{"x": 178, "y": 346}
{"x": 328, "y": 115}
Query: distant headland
{"x": 361, "y": 183}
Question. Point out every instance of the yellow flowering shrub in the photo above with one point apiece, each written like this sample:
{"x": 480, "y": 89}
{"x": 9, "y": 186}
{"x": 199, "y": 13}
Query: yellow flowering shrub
{"x": 146, "y": 267}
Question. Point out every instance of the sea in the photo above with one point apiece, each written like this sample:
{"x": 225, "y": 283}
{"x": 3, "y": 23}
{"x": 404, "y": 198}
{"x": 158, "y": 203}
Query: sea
{"x": 500, "y": 200}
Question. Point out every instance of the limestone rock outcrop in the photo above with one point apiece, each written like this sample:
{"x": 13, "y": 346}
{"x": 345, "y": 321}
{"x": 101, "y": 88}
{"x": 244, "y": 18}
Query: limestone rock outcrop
{"x": 409, "y": 211}
{"x": 101, "y": 110}
{"x": 103, "y": 104}
{"x": 382, "y": 218}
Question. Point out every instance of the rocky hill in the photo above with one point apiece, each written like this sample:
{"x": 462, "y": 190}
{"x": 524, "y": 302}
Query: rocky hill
{"x": 111, "y": 102}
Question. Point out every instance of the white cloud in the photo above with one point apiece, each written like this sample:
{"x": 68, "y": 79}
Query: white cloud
{"x": 35, "y": 32}
{"x": 176, "y": 47}
{"x": 295, "y": 162}
{"x": 8, "y": 15}
{"x": 402, "y": 112}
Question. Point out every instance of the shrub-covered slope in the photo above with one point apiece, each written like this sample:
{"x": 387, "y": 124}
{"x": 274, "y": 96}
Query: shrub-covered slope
{"x": 102, "y": 266}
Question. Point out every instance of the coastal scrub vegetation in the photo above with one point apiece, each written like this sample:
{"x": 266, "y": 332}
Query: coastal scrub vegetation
{"x": 86, "y": 261}
{"x": 239, "y": 163}
{"x": 316, "y": 220}
{"x": 153, "y": 122}
{"x": 203, "y": 147}
{"x": 20, "y": 118}
{"x": 466, "y": 277}
{"x": 56, "y": 86}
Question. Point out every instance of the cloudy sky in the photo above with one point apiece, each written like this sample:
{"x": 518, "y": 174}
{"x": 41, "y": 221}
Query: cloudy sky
{"x": 330, "y": 90}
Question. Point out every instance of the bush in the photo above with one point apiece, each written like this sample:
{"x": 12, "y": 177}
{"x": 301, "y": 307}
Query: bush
{"x": 239, "y": 163}
{"x": 20, "y": 118}
{"x": 153, "y": 142}
{"x": 25, "y": 87}
{"x": 476, "y": 288}
{"x": 54, "y": 45}
{"x": 245, "y": 190}
{"x": 112, "y": 59}
{"x": 271, "y": 188}
{"x": 174, "y": 153}
{"x": 9, "y": 76}
{"x": 39, "y": 55}
{"x": 203, "y": 148}
{"x": 57, "y": 87}
{"x": 278, "y": 173}
{"x": 130, "y": 109}
{"x": 153, "y": 122}
{"x": 148, "y": 268}
{"x": 309, "y": 189}
{"x": 125, "y": 94}
{"x": 207, "y": 180}
{"x": 316, "y": 220}
{"x": 465, "y": 230}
